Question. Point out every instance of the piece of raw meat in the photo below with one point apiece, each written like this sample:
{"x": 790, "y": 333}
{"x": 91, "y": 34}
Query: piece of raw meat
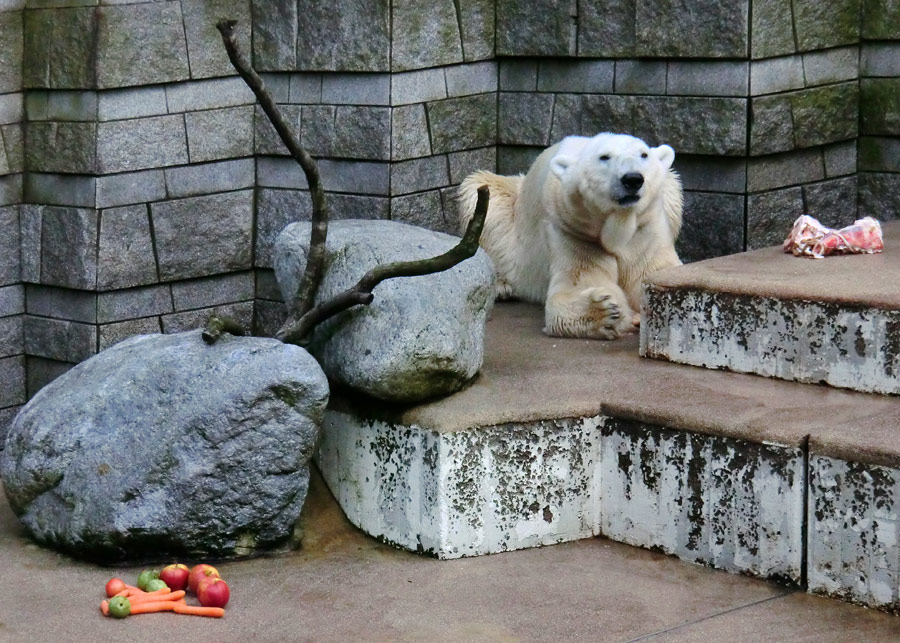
{"x": 810, "y": 238}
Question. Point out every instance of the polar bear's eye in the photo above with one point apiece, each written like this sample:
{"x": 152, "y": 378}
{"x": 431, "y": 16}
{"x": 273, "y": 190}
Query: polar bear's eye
{"x": 644, "y": 155}
{"x": 605, "y": 157}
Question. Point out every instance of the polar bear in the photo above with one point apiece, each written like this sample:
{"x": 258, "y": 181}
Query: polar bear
{"x": 581, "y": 229}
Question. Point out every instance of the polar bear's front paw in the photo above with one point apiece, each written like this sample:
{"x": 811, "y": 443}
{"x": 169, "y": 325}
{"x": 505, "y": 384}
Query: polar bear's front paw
{"x": 606, "y": 317}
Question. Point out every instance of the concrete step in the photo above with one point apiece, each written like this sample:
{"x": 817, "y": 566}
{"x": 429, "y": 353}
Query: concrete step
{"x": 564, "y": 439}
{"x": 834, "y": 321}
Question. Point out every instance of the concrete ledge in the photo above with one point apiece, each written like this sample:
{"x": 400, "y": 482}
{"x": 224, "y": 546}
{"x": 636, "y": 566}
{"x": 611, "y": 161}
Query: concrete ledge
{"x": 835, "y": 321}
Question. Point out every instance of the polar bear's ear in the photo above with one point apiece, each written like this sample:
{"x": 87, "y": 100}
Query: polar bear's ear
{"x": 665, "y": 155}
{"x": 560, "y": 163}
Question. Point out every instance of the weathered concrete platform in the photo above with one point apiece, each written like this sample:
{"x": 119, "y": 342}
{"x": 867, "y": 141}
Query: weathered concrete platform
{"x": 565, "y": 439}
{"x": 834, "y": 320}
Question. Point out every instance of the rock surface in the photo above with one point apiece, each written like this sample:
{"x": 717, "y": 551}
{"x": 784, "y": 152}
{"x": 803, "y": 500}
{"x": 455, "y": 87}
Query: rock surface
{"x": 421, "y": 337}
{"x": 162, "y": 446}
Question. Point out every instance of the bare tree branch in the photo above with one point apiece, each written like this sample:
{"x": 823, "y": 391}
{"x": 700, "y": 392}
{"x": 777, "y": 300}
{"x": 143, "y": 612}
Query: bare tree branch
{"x": 306, "y": 290}
{"x": 297, "y": 331}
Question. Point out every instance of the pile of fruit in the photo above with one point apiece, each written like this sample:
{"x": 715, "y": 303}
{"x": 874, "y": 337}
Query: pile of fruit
{"x": 164, "y": 591}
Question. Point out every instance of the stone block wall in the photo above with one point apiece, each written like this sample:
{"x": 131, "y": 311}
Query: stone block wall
{"x": 141, "y": 189}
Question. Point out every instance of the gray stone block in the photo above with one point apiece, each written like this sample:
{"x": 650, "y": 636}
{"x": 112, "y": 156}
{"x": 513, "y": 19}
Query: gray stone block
{"x": 278, "y": 85}
{"x": 771, "y": 28}
{"x": 10, "y": 258}
{"x": 832, "y": 65}
{"x": 7, "y": 415}
{"x": 362, "y": 132}
{"x": 128, "y": 37}
{"x": 72, "y": 105}
{"x": 224, "y": 176}
{"x": 776, "y": 75}
{"x": 771, "y": 125}
{"x": 409, "y": 132}
{"x": 464, "y": 163}
{"x": 878, "y": 154}
{"x": 536, "y": 27}
{"x": 360, "y": 177}
{"x": 318, "y": 130}
{"x": 61, "y": 303}
{"x": 793, "y": 168}
{"x": 14, "y": 144}
{"x": 640, "y": 77}
{"x": 12, "y": 300}
{"x": 141, "y": 143}
{"x": 477, "y": 78}
{"x": 306, "y": 88}
{"x": 42, "y": 371}
{"x": 220, "y": 133}
{"x": 11, "y": 51}
{"x": 418, "y": 86}
{"x": 588, "y": 76}
{"x": 60, "y": 189}
{"x": 419, "y": 174}
{"x": 206, "y": 53}
{"x": 423, "y": 209}
{"x": 125, "y": 256}
{"x": 770, "y": 216}
{"x": 12, "y": 381}
{"x": 62, "y": 48}
{"x": 30, "y": 233}
{"x": 477, "y": 23}
{"x": 208, "y": 94}
{"x": 607, "y": 29}
{"x": 709, "y": 29}
{"x": 880, "y": 20}
{"x": 840, "y": 159}
{"x": 130, "y": 187}
{"x": 517, "y": 75}
{"x": 827, "y": 114}
{"x": 425, "y": 33}
{"x": 274, "y": 25}
{"x": 117, "y": 104}
{"x": 266, "y": 139}
{"x": 64, "y": 341}
{"x": 463, "y": 123}
{"x": 267, "y": 286}
{"x": 117, "y": 305}
{"x": 12, "y": 109}
{"x": 268, "y": 316}
{"x": 879, "y": 112}
{"x": 4, "y": 162}
{"x": 10, "y": 189}
{"x": 714, "y": 78}
{"x": 202, "y": 236}
{"x": 516, "y": 160}
{"x": 241, "y": 312}
{"x": 279, "y": 173}
{"x": 69, "y": 247}
{"x": 213, "y": 291}
{"x": 832, "y": 202}
{"x": 61, "y": 147}
{"x": 698, "y": 125}
{"x": 356, "y": 38}
{"x": 713, "y": 225}
{"x": 352, "y": 206}
{"x": 879, "y": 194}
{"x": 819, "y": 25}
{"x": 355, "y": 89}
{"x": 35, "y": 103}
{"x": 110, "y": 334}
{"x": 525, "y": 118}
{"x": 588, "y": 114}
{"x": 880, "y": 59}
{"x": 275, "y": 209}
{"x": 712, "y": 174}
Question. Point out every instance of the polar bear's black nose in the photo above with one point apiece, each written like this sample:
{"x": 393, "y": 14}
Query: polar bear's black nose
{"x": 633, "y": 181}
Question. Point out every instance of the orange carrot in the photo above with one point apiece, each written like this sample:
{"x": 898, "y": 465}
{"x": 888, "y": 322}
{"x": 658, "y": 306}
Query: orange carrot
{"x": 154, "y": 597}
{"x": 104, "y": 608}
{"x": 183, "y": 608}
{"x": 136, "y": 594}
{"x": 151, "y": 607}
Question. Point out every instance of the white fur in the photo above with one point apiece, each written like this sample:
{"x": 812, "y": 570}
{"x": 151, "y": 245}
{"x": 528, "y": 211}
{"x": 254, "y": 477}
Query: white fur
{"x": 566, "y": 235}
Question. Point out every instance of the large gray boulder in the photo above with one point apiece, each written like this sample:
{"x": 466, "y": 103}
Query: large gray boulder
{"x": 421, "y": 337}
{"x": 162, "y": 446}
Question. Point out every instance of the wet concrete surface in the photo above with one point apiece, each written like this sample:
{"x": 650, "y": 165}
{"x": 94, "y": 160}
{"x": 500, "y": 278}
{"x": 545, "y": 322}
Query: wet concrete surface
{"x": 344, "y": 586}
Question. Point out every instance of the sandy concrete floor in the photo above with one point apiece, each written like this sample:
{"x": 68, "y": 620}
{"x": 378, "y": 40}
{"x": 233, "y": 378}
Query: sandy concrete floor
{"x": 344, "y": 586}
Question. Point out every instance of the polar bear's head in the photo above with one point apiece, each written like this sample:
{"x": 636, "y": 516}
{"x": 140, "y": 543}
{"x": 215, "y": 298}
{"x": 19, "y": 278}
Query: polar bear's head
{"x": 611, "y": 172}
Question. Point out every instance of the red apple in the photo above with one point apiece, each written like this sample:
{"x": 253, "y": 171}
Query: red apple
{"x": 213, "y": 592}
{"x": 198, "y": 573}
{"x": 175, "y": 576}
